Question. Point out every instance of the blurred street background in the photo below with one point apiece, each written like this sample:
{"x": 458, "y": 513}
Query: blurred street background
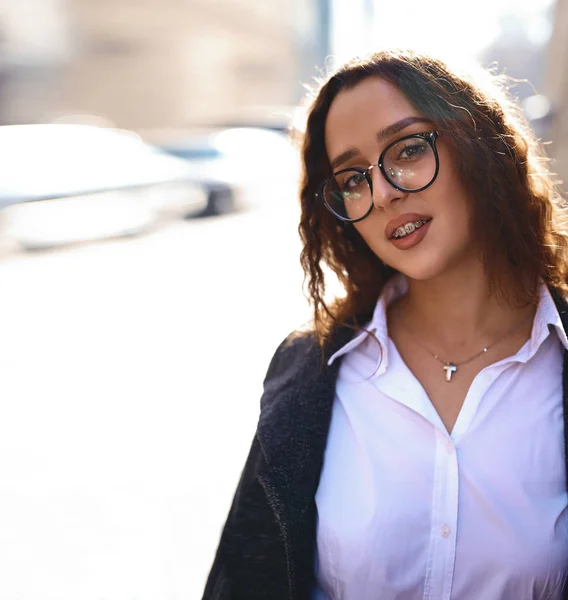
{"x": 149, "y": 255}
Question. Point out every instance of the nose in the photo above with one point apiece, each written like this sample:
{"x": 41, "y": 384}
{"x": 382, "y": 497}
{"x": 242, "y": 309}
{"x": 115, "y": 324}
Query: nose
{"x": 384, "y": 193}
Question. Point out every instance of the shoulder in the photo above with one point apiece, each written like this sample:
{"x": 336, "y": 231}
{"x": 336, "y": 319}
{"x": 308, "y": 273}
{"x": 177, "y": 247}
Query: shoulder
{"x": 297, "y": 345}
{"x": 298, "y": 352}
{"x": 300, "y": 363}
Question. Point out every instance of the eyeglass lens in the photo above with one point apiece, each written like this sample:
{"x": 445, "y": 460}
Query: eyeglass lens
{"x": 409, "y": 164}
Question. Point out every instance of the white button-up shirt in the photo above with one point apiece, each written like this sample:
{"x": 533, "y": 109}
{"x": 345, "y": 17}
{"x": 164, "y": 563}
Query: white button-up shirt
{"x": 407, "y": 511}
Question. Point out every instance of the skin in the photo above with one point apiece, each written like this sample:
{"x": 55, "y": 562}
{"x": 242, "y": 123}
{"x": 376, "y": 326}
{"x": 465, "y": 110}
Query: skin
{"x": 448, "y": 306}
{"x": 354, "y": 116}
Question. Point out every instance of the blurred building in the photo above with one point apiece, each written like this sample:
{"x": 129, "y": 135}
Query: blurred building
{"x": 519, "y": 50}
{"x": 152, "y": 63}
{"x": 557, "y": 90}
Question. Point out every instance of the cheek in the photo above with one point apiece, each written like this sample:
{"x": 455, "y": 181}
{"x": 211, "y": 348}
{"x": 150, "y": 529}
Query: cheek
{"x": 457, "y": 212}
{"x": 370, "y": 230}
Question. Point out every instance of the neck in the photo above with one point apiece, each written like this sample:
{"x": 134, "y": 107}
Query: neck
{"x": 456, "y": 310}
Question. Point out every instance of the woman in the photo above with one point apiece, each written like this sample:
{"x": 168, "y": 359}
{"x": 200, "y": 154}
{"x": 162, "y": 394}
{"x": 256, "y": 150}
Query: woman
{"x": 412, "y": 444}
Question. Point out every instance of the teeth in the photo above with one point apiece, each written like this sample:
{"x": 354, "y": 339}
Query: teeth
{"x": 407, "y": 229}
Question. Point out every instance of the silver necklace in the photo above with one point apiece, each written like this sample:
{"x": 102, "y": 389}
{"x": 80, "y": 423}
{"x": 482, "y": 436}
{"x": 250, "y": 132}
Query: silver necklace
{"x": 451, "y": 367}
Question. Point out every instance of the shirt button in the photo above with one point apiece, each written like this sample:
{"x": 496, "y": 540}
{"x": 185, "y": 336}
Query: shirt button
{"x": 450, "y": 447}
{"x": 445, "y": 531}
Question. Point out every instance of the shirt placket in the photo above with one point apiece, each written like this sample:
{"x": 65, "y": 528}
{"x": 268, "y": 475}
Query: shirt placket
{"x": 443, "y": 532}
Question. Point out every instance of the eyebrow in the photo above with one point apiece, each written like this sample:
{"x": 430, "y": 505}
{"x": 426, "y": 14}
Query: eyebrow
{"x": 381, "y": 135}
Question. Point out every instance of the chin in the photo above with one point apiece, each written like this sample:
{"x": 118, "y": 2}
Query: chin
{"x": 420, "y": 269}
{"x": 420, "y": 274}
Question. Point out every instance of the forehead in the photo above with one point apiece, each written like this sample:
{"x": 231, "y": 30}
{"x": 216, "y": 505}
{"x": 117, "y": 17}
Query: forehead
{"x": 357, "y": 114}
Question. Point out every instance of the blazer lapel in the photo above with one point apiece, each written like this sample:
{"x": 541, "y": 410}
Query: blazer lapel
{"x": 562, "y": 307}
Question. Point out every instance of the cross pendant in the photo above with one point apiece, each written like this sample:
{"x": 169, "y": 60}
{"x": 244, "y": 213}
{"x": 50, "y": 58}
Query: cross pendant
{"x": 450, "y": 370}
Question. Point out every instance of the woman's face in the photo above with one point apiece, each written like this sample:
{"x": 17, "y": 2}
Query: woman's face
{"x": 354, "y": 128}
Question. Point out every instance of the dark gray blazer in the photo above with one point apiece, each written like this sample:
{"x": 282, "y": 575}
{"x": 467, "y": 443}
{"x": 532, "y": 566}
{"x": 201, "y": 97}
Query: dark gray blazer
{"x": 267, "y": 547}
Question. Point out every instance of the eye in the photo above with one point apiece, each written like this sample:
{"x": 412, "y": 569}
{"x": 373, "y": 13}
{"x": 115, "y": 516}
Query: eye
{"x": 351, "y": 181}
{"x": 414, "y": 150}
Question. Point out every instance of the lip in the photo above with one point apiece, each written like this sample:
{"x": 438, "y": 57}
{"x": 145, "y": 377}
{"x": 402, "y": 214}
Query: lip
{"x": 397, "y": 222}
{"x": 411, "y": 240}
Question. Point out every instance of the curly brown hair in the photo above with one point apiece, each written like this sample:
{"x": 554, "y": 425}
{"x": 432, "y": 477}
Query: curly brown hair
{"x": 517, "y": 210}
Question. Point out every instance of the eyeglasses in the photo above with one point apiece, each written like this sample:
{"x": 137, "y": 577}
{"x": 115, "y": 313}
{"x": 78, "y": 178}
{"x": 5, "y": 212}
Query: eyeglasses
{"x": 409, "y": 164}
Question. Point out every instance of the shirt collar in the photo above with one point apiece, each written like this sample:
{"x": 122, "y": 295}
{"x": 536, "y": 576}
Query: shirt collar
{"x": 394, "y": 288}
{"x": 546, "y": 317}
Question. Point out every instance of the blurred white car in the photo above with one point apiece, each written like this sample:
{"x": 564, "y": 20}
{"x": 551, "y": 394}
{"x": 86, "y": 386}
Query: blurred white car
{"x": 69, "y": 183}
{"x": 241, "y": 167}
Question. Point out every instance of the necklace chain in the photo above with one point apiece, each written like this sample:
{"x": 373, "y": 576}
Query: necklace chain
{"x": 451, "y": 367}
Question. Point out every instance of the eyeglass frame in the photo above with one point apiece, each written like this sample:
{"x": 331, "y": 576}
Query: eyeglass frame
{"x": 428, "y": 136}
